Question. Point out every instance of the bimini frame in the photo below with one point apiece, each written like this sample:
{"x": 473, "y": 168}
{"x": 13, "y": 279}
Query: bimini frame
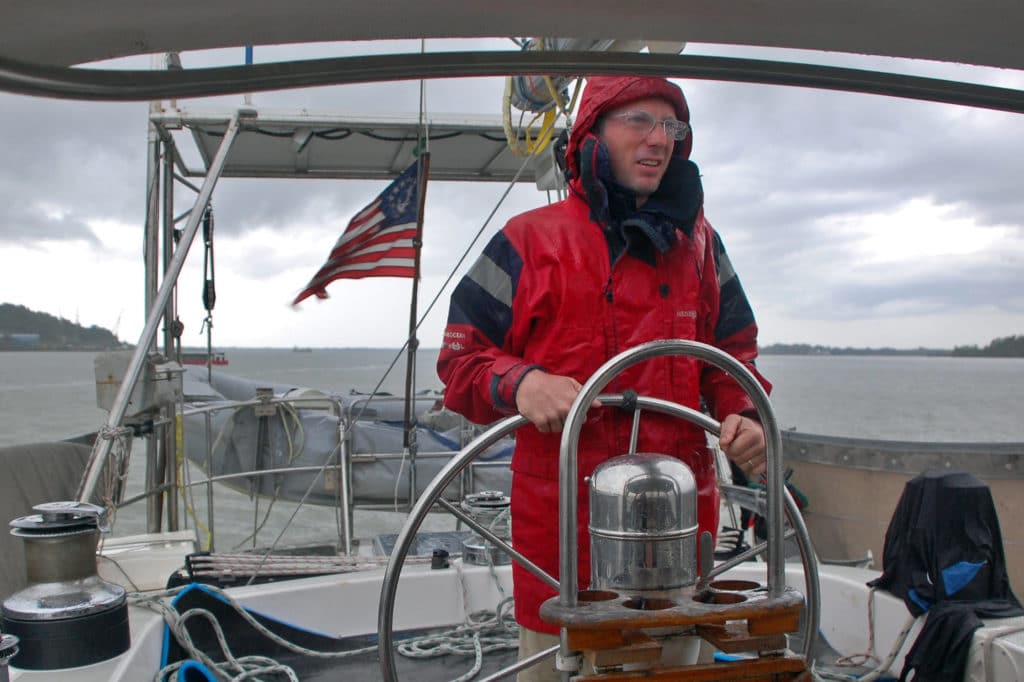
{"x": 250, "y": 143}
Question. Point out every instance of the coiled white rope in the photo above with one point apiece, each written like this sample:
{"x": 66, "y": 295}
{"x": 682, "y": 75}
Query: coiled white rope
{"x": 232, "y": 668}
{"x": 484, "y": 632}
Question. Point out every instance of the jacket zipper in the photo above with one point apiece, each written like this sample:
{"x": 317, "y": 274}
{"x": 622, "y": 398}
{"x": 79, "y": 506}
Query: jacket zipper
{"x": 609, "y": 295}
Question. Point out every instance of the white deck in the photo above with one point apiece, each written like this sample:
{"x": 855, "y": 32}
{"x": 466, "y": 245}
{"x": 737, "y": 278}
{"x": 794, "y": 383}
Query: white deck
{"x": 346, "y": 605}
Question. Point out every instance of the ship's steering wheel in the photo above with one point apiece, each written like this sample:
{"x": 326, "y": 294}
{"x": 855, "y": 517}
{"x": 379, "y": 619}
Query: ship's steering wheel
{"x": 778, "y": 498}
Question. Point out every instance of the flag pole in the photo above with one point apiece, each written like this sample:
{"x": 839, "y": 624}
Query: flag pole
{"x": 409, "y": 421}
{"x": 409, "y": 426}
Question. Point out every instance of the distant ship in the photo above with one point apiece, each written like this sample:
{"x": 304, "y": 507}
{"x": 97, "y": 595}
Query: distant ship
{"x": 302, "y": 349}
{"x": 200, "y": 358}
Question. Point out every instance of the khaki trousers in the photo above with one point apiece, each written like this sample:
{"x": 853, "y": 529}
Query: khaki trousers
{"x": 530, "y": 643}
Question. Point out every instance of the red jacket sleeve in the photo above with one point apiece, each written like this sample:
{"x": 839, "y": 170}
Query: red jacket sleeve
{"x": 731, "y": 328}
{"x": 480, "y": 369}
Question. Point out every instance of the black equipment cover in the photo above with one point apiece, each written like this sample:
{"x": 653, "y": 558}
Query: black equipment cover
{"x": 944, "y": 555}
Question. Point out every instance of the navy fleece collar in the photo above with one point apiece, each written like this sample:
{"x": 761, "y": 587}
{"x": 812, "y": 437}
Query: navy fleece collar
{"x": 673, "y": 206}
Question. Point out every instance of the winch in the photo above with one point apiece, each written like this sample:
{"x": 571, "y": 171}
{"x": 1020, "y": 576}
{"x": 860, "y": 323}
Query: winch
{"x": 489, "y": 508}
{"x": 67, "y": 616}
{"x": 8, "y": 649}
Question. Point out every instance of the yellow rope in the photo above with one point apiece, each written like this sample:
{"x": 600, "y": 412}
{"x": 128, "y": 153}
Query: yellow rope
{"x": 535, "y": 144}
{"x": 180, "y": 460}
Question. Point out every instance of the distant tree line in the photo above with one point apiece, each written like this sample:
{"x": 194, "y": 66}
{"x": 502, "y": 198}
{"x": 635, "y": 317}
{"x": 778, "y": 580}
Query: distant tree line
{"x": 24, "y": 329}
{"x": 808, "y": 349}
{"x": 1006, "y": 347}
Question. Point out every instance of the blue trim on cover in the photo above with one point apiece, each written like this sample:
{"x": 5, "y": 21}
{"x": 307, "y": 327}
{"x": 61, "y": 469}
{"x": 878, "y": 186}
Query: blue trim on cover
{"x": 728, "y": 658}
{"x": 218, "y": 597}
{"x": 194, "y": 671}
{"x": 504, "y": 453}
{"x": 919, "y": 600}
{"x": 959, "y": 575}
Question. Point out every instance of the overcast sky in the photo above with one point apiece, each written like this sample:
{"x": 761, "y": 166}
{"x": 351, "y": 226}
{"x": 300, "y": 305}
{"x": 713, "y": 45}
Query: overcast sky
{"x": 852, "y": 220}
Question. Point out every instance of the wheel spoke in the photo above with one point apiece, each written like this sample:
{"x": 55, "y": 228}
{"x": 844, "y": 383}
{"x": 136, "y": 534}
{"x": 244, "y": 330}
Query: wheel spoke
{"x": 522, "y": 665}
{"x": 533, "y": 568}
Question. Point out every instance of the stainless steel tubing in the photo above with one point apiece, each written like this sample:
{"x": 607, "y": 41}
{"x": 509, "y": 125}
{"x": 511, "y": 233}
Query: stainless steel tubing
{"x": 134, "y": 370}
{"x": 568, "y": 466}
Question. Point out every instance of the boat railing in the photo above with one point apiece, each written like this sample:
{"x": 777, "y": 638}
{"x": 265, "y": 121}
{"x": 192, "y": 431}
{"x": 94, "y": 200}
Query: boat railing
{"x": 199, "y": 436}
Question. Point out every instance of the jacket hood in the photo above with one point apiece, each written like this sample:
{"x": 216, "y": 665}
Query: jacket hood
{"x": 604, "y": 93}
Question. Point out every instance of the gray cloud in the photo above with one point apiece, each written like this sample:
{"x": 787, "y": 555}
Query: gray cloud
{"x": 33, "y": 224}
{"x": 781, "y": 168}
{"x": 79, "y": 160}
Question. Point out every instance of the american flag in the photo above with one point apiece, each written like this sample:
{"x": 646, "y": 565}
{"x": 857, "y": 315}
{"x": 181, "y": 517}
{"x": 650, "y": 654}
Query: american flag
{"x": 378, "y": 242}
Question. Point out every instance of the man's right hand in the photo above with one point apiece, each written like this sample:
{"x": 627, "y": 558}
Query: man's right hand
{"x": 545, "y": 399}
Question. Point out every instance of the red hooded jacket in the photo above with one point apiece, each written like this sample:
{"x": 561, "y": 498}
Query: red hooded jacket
{"x": 546, "y": 294}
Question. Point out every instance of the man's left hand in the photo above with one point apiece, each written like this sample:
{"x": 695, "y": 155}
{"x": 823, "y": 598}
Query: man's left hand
{"x": 742, "y": 441}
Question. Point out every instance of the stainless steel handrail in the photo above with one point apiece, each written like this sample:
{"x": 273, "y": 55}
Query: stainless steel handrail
{"x": 331, "y": 404}
{"x": 569, "y": 472}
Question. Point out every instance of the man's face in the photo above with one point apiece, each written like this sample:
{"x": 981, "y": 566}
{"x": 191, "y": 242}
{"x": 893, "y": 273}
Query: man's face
{"x": 638, "y": 160}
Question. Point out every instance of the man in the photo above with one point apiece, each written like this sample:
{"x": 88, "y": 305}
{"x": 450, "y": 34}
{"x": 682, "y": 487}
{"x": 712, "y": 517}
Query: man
{"x": 627, "y": 258}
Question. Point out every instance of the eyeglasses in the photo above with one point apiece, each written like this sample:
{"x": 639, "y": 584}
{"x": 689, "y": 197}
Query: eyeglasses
{"x": 642, "y": 123}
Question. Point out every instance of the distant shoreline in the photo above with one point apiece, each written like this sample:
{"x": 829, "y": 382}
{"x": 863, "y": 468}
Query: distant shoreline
{"x": 60, "y": 350}
{"x": 817, "y": 351}
{"x": 800, "y": 349}
{"x": 22, "y": 329}
{"x": 1009, "y": 347}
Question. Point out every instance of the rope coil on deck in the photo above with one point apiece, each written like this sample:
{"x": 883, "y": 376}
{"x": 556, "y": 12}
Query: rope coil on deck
{"x": 484, "y": 631}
